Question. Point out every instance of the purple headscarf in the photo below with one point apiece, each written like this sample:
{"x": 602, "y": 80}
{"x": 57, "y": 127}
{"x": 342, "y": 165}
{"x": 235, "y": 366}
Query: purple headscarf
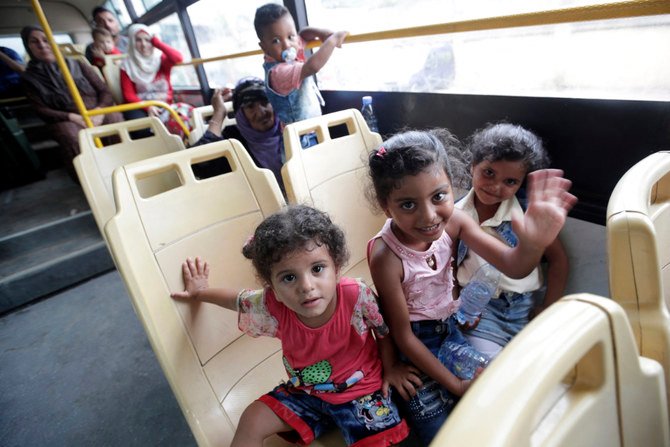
{"x": 265, "y": 147}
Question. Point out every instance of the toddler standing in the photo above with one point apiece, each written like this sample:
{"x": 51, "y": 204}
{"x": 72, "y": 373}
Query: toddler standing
{"x": 289, "y": 74}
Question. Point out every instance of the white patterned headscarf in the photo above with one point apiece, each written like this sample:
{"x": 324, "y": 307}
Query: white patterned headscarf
{"x": 138, "y": 67}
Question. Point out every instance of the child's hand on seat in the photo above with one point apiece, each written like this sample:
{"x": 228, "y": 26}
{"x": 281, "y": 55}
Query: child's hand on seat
{"x": 404, "y": 378}
{"x": 195, "y": 274}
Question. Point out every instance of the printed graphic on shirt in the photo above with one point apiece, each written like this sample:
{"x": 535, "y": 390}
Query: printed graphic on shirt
{"x": 315, "y": 377}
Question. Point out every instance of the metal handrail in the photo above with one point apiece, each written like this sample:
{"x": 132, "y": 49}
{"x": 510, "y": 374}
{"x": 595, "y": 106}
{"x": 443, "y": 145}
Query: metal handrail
{"x": 76, "y": 97}
{"x": 618, "y": 10}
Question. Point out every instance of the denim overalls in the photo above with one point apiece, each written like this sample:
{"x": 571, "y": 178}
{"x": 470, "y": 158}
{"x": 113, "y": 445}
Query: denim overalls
{"x": 302, "y": 103}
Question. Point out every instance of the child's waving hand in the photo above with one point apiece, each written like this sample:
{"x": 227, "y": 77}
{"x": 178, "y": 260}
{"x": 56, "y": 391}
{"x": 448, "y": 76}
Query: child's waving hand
{"x": 548, "y": 204}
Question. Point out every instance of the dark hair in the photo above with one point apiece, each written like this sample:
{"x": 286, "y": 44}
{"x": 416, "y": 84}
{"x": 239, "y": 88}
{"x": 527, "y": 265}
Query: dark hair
{"x": 267, "y": 15}
{"x": 26, "y": 31}
{"x": 289, "y": 230}
{"x": 248, "y": 90}
{"x": 104, "y": 32}
{"x": 504, "y": 141}
{"x": 411, "y": 152}
{"x": 99, "y": 9}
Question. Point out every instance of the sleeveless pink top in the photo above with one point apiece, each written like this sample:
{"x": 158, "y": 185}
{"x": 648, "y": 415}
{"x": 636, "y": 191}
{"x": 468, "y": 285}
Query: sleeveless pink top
{"x": 428, "y": 291}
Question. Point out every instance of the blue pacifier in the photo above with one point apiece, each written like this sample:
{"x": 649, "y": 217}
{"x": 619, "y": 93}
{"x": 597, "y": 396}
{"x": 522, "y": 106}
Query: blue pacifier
{"x": 289, "y": 54}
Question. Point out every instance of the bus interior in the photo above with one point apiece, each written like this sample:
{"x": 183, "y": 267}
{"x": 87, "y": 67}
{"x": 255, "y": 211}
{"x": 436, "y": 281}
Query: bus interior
{"x": 94, "y": 351}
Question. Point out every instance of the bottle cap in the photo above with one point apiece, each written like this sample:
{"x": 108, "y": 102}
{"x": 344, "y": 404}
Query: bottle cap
{"x": 367, "y": 100}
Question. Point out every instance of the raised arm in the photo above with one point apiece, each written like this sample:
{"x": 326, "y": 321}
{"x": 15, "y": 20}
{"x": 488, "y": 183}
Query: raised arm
{"x": 216, "y": 121}
{"x": 320, "y": 57}
{"x": 172, "y": 55}
{"x": 311, "y": 33}
{"x": 196, "y": 286}
{"x": 386, "y": 271}
{"x": 549, "y": 203}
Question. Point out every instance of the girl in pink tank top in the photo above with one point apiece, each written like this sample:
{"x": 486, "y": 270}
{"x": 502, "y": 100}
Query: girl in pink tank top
{"x": 411, "y": 258}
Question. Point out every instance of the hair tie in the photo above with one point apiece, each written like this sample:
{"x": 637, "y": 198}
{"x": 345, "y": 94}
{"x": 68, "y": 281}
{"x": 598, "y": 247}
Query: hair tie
{"x": 249, "y": 240}
{"x": 381, "y": 152}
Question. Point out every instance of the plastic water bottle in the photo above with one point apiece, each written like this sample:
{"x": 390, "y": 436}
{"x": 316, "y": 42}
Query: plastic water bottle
{"x": 477, "y": 293}
{"x": 369, "y": 114}
{"x": 462, "y": 359}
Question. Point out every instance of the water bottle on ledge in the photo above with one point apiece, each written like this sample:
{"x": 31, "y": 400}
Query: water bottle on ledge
{"x": 476, "y": 294}
{"x": 369, "y": 114}
{"x": 462, "y": 360}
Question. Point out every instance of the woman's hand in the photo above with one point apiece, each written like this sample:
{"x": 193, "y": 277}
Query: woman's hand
{"x": 77, "y": 119}
{"x": 154, "y": 111}
{"x": 97, "y": 119}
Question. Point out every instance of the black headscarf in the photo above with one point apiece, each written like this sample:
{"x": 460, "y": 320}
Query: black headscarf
{"x": 47, "y": 80}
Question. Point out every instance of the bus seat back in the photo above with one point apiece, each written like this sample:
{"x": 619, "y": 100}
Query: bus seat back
{"x": 638, "y": 240}
{"x": 200, "y": 120}
{"x": 213, "y": 370}
{"x": 572, "y": 377}
{"x": 332, "y": 176}
{"x": 111, "y": 71}
{"x": 95, "y": 165}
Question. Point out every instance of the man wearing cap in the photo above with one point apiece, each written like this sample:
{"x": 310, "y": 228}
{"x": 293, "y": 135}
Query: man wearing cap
{"x": 258, "y": 127}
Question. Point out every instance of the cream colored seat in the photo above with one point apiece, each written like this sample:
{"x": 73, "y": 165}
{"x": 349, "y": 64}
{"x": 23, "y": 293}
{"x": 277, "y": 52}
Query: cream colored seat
{"x": 333, "y": 176}
{"x": 112, "y": 75}
{"x": 638, "y": 239}
{"x": 573, "y": 377}
{"x": 214, "y": 370}
{"x": 95, "y": 165}
{"x": 200, "y": 120}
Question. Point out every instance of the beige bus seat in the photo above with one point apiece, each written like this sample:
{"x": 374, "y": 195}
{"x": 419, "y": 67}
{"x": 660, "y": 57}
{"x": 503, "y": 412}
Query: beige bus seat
{"x": 112, "y": 74}
{"x": 214, "y": 370}
{"x": 573, "y": 377}
{"x": 72, "y": 49}
{"x": 638, "y": 239}
{"x": 95, "y": 165}
{"x": 333, "y": 176}
{"x": 200, "y": 120}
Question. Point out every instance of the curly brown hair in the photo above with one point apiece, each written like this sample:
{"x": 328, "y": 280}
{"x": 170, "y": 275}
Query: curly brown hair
{"x": 291, "y": 229}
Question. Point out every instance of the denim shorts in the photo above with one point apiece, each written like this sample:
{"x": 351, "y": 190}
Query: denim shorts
{"x": 433, "y": 403}
{"x": 504, "y": 317}
{"x": 370, "y": 419}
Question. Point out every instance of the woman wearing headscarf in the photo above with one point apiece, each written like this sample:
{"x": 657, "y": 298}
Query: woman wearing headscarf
{"x": 46, "y": 89}
{"x": 258, "y": 126}
{"x": 145, "y": 76}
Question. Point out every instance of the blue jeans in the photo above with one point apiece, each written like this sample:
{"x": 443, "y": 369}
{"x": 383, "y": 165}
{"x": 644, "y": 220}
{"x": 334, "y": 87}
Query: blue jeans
{"x": 431, "y": 406}
{"x": 371, "y": 417}
{"x": 504, "y": 317}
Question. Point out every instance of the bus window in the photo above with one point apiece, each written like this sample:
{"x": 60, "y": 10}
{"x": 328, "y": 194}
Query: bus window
{"x": 169, "y": 30}
{"x": 142, "y": 6}
{"x": 119, "y": 9}
{"x": 617, "y": 59}
{"x": 226, "y": 31}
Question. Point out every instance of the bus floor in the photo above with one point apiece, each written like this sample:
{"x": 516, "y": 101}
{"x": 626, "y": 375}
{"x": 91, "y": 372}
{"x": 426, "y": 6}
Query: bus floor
{"x": 76, "y": 368}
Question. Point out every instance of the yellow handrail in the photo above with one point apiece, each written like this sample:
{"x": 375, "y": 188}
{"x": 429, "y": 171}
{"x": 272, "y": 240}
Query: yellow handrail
{"x": 618, "y": 10}
{"x": 81, "y": 107}
{"x": 60, "y": 60}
